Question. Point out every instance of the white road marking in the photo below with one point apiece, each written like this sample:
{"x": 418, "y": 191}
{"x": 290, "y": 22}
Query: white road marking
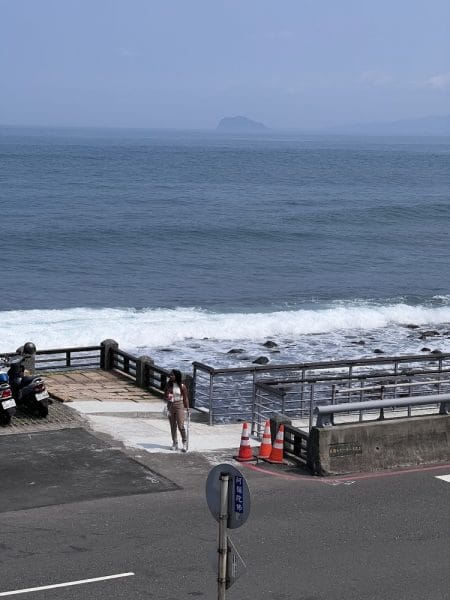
{"x": 66, "y": 584}
{"x": 338, "y": 482}
{"x": 443, "y": 477}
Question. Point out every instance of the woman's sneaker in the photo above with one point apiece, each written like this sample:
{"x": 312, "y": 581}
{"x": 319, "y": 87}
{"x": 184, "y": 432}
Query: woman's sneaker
{"x": 174, "y": 447}
{"x": 184, "y": 448}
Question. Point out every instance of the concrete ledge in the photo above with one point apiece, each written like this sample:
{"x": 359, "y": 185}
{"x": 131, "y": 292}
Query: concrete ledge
{"x": 377, "y": 445}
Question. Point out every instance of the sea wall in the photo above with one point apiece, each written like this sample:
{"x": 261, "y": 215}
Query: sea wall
{"x": 376, "y": 445}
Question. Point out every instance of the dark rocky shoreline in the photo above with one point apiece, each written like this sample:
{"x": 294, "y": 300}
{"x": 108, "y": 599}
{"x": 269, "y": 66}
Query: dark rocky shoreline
{"x": 418, "y": 332}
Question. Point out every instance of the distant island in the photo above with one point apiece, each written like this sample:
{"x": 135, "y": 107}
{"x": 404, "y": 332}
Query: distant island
{"x": 234, "y": 124}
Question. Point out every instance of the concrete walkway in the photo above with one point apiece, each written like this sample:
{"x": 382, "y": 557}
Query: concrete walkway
{"x": 114, "y": 405}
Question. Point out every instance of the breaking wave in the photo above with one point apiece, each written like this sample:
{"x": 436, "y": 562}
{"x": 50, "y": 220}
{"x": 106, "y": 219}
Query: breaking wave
{"x": 194, "y": 333}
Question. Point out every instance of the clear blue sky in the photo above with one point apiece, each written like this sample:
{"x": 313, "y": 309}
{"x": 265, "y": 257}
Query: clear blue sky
{"x": 188, "y": 63}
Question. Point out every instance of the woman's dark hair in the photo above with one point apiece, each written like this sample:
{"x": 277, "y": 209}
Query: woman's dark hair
{"x": 178, "y": 376}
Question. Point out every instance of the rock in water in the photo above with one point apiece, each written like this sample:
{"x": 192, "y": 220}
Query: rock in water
{"x": 270, "y": 344}
{"x": 261, "y": 360}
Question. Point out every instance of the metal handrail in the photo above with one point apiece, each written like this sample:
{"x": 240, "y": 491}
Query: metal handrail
{"x": 326, "y": 364}
{"x": 389, "y": 385}
{"x": 325, "y": 414}
{"x": 273, "y": 399}
{"x": 220, "y": 390}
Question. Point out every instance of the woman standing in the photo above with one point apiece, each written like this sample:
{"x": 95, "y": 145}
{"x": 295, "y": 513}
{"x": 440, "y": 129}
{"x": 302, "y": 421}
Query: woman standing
{"x": 177, "y": 401}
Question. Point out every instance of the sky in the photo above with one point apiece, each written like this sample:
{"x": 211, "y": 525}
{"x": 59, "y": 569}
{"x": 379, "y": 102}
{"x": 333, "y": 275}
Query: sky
{"x": 291, "y": 64}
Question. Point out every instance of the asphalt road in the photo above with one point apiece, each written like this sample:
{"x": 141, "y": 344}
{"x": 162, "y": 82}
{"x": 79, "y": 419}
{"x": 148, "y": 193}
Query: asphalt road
{"x": 74, "y": 508}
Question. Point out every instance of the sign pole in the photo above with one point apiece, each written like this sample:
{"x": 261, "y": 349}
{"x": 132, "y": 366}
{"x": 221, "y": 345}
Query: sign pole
{"x": 223, "y": 538}
{"x": 228, "y": 500}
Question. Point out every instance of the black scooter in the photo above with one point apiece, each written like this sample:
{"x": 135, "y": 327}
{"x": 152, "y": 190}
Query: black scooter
{"x": 7, "y": 402}
{"x": 29, "y": 391}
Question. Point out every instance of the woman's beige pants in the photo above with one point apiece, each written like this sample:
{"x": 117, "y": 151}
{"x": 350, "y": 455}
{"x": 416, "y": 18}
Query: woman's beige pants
{"x": 176, "y": 420}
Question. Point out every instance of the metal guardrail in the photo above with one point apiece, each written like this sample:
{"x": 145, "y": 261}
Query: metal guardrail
{"x": 325, "y": 414}
{"x": 297, "y": 399}
{"x": 225, "y": 394}
{"x": 366, "y": 392}
{"x": 232, "y": 394}
{"x": 395, "y": 390}
{"x": 263, "y": 406}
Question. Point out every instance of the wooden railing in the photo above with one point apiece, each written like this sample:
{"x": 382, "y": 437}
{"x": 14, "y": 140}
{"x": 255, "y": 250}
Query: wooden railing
{"x": 64, "y": 358}
{"x": 143, "y": 370}
{"x": 295, "y": 443}
{"x": 76, "y": 358}
{"x": 106, "y": 356}
{"x": 257, "y": 392}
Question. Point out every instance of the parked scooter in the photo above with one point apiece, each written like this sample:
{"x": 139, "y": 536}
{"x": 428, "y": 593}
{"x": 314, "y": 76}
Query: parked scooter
{"x": 29, "y": 391}
{"x": 7, "y": 402}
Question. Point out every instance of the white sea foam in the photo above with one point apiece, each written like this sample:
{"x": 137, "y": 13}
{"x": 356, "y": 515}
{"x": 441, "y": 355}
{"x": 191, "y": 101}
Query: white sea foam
{"x": 196, "y": 334}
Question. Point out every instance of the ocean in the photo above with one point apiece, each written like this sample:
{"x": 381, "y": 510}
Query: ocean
{"x": 184, "y": 245}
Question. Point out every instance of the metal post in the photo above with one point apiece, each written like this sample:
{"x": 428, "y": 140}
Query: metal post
{"x": 302, "y": 402}
{"x": 409, "y": 413}
{"x": 194, "y": 384}
{"x": 223, "y": 537}
{"x": 211, "y": 416}
{"x": 381, "y": 417}
{"x": 439, "y": 378}
{"x": 396, "y": 385}
{"x": 311, "y": 407}
{"x": 253, "y": 396}
{"x": 361, "y": 398}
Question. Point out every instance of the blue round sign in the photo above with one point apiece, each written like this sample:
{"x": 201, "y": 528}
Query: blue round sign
{"x": 238, "y": 495}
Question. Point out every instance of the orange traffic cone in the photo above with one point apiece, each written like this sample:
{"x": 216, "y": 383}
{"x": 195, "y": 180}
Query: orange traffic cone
{"x": 265, "y": 449}
{"x": 276, "y": 456}
{"x": 245, "y": 451}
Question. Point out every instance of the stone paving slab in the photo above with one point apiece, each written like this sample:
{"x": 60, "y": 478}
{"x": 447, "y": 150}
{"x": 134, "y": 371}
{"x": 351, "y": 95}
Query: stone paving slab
{"x": 75, "y": 393}
{"x": 96, "y": 385}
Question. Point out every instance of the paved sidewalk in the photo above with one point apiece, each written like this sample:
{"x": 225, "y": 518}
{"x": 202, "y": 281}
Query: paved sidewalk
{"x": 115, "y": 406}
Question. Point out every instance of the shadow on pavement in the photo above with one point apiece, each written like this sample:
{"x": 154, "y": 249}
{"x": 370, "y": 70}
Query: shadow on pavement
{"x": 68, "y": 465}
